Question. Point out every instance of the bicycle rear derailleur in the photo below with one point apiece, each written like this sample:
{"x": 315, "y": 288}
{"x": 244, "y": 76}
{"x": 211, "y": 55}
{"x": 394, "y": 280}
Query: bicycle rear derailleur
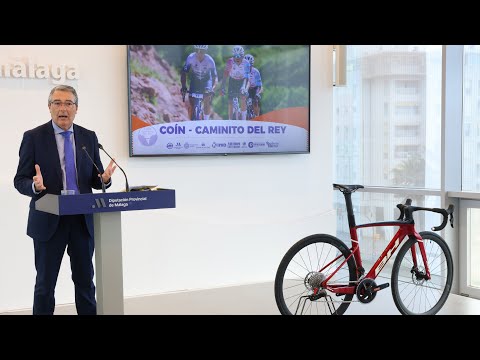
{"x": 367, "y": 290}
{"x": 313, "y": 281}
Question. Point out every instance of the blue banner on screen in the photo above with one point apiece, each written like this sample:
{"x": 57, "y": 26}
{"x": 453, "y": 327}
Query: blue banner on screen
{"x": 219, "y": 99}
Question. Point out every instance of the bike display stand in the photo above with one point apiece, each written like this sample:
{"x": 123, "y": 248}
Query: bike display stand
{"x": 107, "y": 209}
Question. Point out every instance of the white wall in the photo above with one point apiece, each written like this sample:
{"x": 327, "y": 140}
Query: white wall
{"x": 235, "y": 217}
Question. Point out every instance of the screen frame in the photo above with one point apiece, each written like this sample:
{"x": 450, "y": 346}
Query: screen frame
{"x": 130, "y": 132}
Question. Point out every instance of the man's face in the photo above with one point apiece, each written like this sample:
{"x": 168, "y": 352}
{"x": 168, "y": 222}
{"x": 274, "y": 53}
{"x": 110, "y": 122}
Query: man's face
{"x": 201, "y": 54}
{"x": 238, "y": 59}
{"x": 63, "y": 109}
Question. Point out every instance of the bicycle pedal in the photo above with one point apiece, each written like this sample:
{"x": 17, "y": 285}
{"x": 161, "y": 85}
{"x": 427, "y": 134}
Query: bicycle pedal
{"x": 381, "y": 287}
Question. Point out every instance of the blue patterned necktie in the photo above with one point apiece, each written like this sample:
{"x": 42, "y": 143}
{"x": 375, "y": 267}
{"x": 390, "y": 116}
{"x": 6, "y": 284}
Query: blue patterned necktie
{"x": 70, "y": 173}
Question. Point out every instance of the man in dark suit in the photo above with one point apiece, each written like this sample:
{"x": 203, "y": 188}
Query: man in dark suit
{"x": 52, "y": 160}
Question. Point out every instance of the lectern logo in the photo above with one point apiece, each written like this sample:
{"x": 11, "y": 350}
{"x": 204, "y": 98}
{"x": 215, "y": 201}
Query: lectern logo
{"x": 100, "y": 204}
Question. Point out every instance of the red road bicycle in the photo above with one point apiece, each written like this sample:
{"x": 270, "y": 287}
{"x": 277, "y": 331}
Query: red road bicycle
{"x": 320, "y": 274}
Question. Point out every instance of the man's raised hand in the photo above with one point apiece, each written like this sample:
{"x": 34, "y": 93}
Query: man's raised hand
{"x": 38, "y": 179}
{"x": 108, "y": 172}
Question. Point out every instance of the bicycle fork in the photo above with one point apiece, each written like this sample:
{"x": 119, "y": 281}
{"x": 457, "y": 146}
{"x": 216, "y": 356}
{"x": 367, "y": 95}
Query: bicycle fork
{"x": 417, "y": 271}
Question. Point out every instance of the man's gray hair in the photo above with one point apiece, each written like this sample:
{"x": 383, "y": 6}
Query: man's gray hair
{"x": 67, "y": 88}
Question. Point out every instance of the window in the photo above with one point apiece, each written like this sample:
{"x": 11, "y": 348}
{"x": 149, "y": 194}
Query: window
{"x": 406, "y": 131}
{"x": 407, "y": 87}
{"x": 406, "y": 110}
{"x": 397, "y": 93}
{"x": 397, "y": 127}
{"x": 405, "y": 151}
{"x": 398, "y": 148}
{"x": 471, "y": 118}
{"x": 474, "y": 244}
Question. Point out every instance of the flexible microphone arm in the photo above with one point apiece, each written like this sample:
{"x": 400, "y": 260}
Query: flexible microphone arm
{"x": 127, "y": 188}
{"x": 84, "y": 148}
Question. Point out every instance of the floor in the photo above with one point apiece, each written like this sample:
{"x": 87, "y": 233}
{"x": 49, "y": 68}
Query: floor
{"x": 253, "y": 299}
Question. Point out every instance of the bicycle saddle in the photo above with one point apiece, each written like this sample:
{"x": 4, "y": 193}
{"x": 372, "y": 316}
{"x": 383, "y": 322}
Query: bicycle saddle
{"x": 347, "y": 188}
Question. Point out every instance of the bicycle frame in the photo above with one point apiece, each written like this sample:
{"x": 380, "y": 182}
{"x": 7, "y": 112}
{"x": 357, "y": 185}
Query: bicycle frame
{"x": 405, "y": 230}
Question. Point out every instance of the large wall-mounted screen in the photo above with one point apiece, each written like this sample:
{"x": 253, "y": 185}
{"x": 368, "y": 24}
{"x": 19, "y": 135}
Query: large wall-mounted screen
{"x": 219, "y": 99}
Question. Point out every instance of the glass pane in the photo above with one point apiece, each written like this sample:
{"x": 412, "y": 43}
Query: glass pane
{"x": 387, "y": 119}
{"x": 473, "y": 231}
{"x": 471, "y": 119}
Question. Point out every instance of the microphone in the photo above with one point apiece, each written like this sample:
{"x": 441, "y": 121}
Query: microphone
{"x": 84, "y": 148}
{"x": 127, "y": 189}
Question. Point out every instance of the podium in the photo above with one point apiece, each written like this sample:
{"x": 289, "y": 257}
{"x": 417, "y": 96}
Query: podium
{"x": 107, "y": 209}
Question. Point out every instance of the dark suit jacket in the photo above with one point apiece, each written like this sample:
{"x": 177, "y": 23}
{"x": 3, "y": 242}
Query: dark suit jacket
{"x": 39, "y": 147}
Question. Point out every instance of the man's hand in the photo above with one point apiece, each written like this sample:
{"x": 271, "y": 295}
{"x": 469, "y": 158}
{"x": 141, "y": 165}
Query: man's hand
{"x": 183, "y": 90}
{"x": 107, "y": 174}
{"x": 38, "y": 179}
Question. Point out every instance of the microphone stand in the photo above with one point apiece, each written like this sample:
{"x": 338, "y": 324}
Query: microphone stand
{"x": 127, "y": 188}
{"x": 84, "y": 148}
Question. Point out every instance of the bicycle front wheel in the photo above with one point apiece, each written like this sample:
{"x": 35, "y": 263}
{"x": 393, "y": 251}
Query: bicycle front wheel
{"x": 412, "y": 291}
{"x": 307, "y": 264}
{"x": 197, "y": 113}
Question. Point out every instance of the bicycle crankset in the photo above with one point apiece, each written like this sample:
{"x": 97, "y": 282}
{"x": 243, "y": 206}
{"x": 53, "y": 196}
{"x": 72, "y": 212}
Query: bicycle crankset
{"x": 367, "y": 290}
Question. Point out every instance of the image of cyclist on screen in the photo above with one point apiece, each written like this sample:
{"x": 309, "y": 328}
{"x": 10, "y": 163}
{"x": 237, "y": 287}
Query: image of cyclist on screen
{"x": 256, "y": 88}
{"x": 236, "y": 72}
{"x": 202, "y": 78}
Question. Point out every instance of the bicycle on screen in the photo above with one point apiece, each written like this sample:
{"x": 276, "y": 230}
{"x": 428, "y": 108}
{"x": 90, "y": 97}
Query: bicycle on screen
{"x": 320, "y": 274}
{"x": 236, "y": 110}
{"x": 198, "y": 107}
{"x": 253, "y": 100}
{"x": 250, "y": 109}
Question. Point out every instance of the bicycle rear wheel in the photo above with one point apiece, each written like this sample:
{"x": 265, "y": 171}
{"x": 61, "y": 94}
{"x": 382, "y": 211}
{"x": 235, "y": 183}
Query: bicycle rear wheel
{"x": 304, "y": 266}
{"x": 413, "y": 294}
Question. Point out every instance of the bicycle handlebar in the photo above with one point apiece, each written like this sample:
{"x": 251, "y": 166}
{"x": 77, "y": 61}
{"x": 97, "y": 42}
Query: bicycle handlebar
{"x": 407, "y": 210}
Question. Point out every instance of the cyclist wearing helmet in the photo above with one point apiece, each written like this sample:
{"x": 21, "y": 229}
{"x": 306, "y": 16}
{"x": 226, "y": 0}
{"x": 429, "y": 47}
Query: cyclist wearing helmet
{"x": 237, "y": 71}
{"x": 256, "y": 87}
{"x": 203, "y": 78}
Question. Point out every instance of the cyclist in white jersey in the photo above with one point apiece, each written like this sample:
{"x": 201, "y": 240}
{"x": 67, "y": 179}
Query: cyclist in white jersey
{"x": 203, "y": 78}
{"x": 236, "y": 72}
{"x": 256, "y": 87}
